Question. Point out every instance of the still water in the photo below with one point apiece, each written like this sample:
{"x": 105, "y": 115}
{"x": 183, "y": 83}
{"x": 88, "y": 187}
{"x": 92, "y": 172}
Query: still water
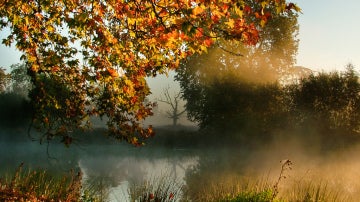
{"x": 118, "y": 165}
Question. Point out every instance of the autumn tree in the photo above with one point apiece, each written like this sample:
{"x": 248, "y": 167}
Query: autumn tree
{"x": 174, "y": 112}
{"x": 96, "y": 54}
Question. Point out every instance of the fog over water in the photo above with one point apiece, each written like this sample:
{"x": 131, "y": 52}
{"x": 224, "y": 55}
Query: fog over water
{"x": 118, "y": 165}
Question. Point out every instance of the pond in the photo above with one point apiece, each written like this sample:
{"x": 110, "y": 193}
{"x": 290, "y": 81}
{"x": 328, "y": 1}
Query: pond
{"x": 116, "y": 165}
{"x": 119, "y": 165}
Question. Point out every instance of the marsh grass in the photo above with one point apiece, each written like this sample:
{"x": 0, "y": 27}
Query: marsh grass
{"x": 95, "y": 189}
{"x": 229, "y": 187}
{"x": 27, "y": 185}
{"x": 160, "y": 189}
{"x": 313, "y": 190}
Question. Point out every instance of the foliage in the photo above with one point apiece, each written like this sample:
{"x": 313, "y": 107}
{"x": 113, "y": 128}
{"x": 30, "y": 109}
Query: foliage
{"x": 329, "y": 101}
{"x": 98, "y": 53}
{"x": 222, "y": 86}
{"x": 264, "y": 196}
{"x": 20, "y": 81}
{"x": 328, "y": 104}
{"x": 252, "y": 108}
{"x": 28, "y": 185}
{"x": 95, "y": 189}
{"x": 163, "y": 189}
{"x": 15, "y": 110}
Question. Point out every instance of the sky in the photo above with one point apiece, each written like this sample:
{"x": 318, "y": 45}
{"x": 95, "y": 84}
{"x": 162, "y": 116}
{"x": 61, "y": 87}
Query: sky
{"x": 329, "y": 34}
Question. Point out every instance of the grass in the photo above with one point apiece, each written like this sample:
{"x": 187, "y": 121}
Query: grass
{"x": 165, "y": 188}
{"x": 40, "y": 186}
{"x": 27, "y": 185}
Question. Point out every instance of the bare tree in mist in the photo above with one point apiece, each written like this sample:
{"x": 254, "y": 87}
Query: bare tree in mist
{"x": 174, "y": 112}
{"x": 4, "y": 80}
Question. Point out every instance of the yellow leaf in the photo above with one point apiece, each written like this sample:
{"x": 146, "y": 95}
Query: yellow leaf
{"x": 197, "y": 10}
{"x": 239, "y": 11}
{"x": 231, "y": 23}
{"x": 50, "y": 29}
{"x": 132, "y": 34}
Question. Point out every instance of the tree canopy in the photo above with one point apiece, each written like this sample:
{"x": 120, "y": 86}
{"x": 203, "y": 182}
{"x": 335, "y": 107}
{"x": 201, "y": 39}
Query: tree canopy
{"x": 221, "y": 86}
{"x": 89, "y": 58}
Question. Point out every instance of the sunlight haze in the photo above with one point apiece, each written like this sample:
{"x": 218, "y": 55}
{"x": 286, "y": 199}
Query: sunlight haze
{"x": 329, "y": 34}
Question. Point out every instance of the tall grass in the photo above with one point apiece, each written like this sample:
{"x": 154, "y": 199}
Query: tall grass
{"x": 41, "y": 186}
{"x": 95, "y": 189}
{"x": 165, "y": 188}
{"x": 27, "y": 185}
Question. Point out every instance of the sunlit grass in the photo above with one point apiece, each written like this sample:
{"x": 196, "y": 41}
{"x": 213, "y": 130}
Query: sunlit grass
{"x": 27, "y": 185}
{"x": 164, "y": 188}
{"x": 232, "y": 188}
{"x": 39, "y": 185}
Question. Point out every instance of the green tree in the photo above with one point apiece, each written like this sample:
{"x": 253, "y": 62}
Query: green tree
{"x": 231, "y": 86}
{"x": 328, "y": 101}
{"x": 20, "y": 80}
{"x": 98, "y": 53}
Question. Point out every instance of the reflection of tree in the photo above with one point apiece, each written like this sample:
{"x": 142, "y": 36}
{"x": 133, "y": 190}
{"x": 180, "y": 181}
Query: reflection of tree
{"x": 113, "y": 171}
{"x": 215, "y": 174}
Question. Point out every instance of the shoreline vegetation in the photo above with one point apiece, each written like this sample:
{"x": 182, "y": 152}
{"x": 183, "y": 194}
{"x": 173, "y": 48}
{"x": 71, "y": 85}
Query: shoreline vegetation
{"x": 216, "y": 183}
{"x": 210, "y": 181}
{"x": 39, "y": 185}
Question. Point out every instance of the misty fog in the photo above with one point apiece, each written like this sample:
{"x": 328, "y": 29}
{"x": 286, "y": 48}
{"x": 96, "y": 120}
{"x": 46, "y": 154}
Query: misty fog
{"x": 199, "y": 159}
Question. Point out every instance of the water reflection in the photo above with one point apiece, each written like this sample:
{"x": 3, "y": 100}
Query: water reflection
{"x": 112, "y": 167}
{"x": 115, "y": 167}
{"x": 118, "y": 171}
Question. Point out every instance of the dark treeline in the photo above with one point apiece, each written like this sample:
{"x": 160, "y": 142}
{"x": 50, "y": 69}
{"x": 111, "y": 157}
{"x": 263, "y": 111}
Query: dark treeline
{"x": 230, "y": 109}
{"x": 325, "y": 105}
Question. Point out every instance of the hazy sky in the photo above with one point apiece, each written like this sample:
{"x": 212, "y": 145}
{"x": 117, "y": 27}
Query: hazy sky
{"x": 329, "y": 35}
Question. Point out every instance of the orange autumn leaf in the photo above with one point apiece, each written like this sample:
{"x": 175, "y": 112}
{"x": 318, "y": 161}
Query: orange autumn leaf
{"x": 197, "y": 10}
{"x": 113, "y": 72}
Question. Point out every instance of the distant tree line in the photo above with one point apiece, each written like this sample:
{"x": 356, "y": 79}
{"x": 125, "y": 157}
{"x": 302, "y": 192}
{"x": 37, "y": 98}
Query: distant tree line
{"x": 322, "y": 103}
{"x": 15, "y": 106}
{"x": 237, "y": 90}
